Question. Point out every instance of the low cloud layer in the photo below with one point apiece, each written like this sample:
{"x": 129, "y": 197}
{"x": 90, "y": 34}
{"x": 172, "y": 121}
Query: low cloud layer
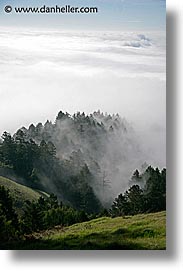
{"x": 43, "y": 72}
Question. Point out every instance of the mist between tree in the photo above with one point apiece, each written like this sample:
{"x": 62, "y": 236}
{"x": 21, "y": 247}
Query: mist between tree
{"x": 86, "y": 160}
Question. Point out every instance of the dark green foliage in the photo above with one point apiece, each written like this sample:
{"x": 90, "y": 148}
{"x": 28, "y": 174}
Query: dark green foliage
{"x": 120, "y": 206}
{"x": 151, "y": 198}
{"x": 53, "y": 156}
{"x": 7, "y": 206}
{"x": 19, "y": 154}
{"x": 139, "y": 232}
{"x": 81, "y": 194}
{"x": 7, "y": 230}
{"x": 155, "y": 190}
{"x": 7, "y": 150}
{"x": 45, "y": 159}
{"x": 32, "y": 218}
{"x": 41, "y": 215}
{"x": 8, "y": 217}
{"x": 39, "y": 168}
{"x": 47, "y": 213}
{"x": 135, "y": 200}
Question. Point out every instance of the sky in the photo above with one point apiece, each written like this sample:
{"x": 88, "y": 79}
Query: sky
{"x": 117, "y": 70}
{"x": 113, "y": 15}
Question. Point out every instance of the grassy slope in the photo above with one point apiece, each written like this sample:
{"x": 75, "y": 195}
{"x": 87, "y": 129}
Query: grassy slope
{"x": 146, "y": 231}
{"x": 20, "y": 193}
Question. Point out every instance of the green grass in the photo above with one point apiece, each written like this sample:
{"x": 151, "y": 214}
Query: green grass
{"x": 20, "y": 193}
{"x": 140, "y": 232}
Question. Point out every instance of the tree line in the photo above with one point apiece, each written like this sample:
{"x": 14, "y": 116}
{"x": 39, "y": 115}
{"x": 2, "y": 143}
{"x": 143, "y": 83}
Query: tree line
{"x": 146, "y": 194}
{"x": 37, "y": 216}
{"x": 38, "y": 167}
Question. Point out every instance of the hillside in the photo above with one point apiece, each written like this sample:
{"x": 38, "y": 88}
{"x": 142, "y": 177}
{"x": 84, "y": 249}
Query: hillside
{"x": 106, "y": 143}
{"x": 20, "y": 193}
{"x": 85, "y": 160}
{"x": 147, "y": 231}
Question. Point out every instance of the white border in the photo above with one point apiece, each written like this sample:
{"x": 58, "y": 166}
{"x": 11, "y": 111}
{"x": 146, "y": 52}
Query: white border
{"x": 139, "y": 262}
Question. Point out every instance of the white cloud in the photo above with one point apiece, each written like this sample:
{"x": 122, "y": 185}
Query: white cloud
{"x": 43, "y": 72}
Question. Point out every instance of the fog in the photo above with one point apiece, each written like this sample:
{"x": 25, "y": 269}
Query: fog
{"x": 43, "y": 72}
{"x": 107, "y": 144}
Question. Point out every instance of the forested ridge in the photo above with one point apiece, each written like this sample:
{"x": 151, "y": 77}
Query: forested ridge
{"x": 80, "y": 158}
{"x": 80, "y": 161}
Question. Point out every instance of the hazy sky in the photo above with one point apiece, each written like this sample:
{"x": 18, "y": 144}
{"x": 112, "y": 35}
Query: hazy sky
{"x": 113, "y": 14}
{"x": 45, "y": 71}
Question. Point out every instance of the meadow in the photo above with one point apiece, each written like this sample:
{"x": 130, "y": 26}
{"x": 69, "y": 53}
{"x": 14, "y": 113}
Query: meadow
{"x": 139, "y": 232}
